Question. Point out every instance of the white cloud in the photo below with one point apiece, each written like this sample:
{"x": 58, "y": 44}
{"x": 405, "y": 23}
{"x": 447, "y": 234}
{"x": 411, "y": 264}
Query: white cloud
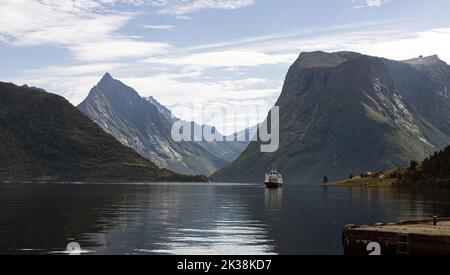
{"x": 391, "y": 39}
{"x": 376, "y": 3}
{"x": 72, "y": 71}
{"x": 76, "y": 25}
{"x": 369, "y": 3}
{"x": 51, "y": 22}
{"x": 72, "y": 87}
{"x": 180, "y": 8}
{"x": 159, "y": 27}
{"x": 116, "y": 49}
{"x": 224, "y": 59}
{"x": 429, "y": 42}
{"x": 292, "y": 35}
{"x": 89, "y": 28}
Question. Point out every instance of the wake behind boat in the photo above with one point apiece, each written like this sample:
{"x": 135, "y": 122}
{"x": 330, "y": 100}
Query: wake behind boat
{"x": 274, "y": 179}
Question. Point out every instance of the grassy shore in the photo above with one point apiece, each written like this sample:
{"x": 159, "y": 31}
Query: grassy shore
{"x": 365, "y": 182}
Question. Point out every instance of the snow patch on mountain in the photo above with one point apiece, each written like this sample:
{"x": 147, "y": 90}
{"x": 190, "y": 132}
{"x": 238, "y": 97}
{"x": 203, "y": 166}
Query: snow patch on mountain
{"x": 395, "y": 108}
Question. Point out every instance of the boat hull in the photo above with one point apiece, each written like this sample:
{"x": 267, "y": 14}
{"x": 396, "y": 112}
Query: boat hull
{"x": 273, "y": 185}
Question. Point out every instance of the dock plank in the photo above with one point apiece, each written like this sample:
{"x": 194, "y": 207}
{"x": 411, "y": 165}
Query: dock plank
{"x": 422, "y": 237}
{"x": 442, "y": 228}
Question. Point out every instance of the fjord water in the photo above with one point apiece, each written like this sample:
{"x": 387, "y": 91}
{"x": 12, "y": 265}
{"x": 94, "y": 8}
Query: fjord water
{"x": 198, "y": 218}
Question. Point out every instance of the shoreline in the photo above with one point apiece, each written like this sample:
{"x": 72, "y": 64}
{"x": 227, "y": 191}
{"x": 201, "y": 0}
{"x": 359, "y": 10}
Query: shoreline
{"x": 117, "y": 181}
{"x": 366, "y": 182}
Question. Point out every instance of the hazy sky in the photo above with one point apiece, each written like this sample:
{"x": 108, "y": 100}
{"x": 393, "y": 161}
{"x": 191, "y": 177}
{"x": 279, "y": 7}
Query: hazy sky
{"x": 225, "y": 53}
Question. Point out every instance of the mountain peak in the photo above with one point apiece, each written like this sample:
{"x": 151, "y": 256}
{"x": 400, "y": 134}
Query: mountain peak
{"x": 324, "y": 59}
{"x": 107, "y": 77}
{"x": 113, "y": 89}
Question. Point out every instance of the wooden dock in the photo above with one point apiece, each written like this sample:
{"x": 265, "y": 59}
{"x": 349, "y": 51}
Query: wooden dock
{"x": 421, "y": 237}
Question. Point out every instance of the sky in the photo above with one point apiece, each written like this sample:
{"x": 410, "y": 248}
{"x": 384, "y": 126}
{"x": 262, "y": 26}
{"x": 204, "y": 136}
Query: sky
{"x": 218, "y": 62}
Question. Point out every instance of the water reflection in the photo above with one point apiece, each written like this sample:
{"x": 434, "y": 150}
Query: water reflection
{"x": 273, "y": 199}
{"x": 228, "y": 238}
{"x": 197, "y": 218}
{"x": 185, "y": 219}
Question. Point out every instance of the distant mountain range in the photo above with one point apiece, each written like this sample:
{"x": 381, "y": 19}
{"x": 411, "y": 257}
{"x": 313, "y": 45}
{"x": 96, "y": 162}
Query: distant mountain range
{"x": 345, "y": 112}
{"x": 45, "y": 138}
{"x": 145, "y": 125}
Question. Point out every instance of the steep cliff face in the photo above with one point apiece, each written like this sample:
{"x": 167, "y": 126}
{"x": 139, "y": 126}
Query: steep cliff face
{"x": 144, "y": 125}
{"x": 344, "y": 113}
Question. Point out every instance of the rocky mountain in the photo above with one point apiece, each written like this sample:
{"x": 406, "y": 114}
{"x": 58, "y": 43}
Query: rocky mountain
{"x": 44, "y": 137}
{"x": 145, "y": 125}
{"x": 344, "y": 112}
{"x": 167, "y": 114}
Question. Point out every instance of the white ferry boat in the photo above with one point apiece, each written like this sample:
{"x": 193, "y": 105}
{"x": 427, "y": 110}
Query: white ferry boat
{"x": 274, "y": 179}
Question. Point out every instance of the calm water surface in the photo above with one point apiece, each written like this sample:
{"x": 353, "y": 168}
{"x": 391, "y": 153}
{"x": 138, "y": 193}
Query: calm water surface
{"x": 198, "y": 218}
